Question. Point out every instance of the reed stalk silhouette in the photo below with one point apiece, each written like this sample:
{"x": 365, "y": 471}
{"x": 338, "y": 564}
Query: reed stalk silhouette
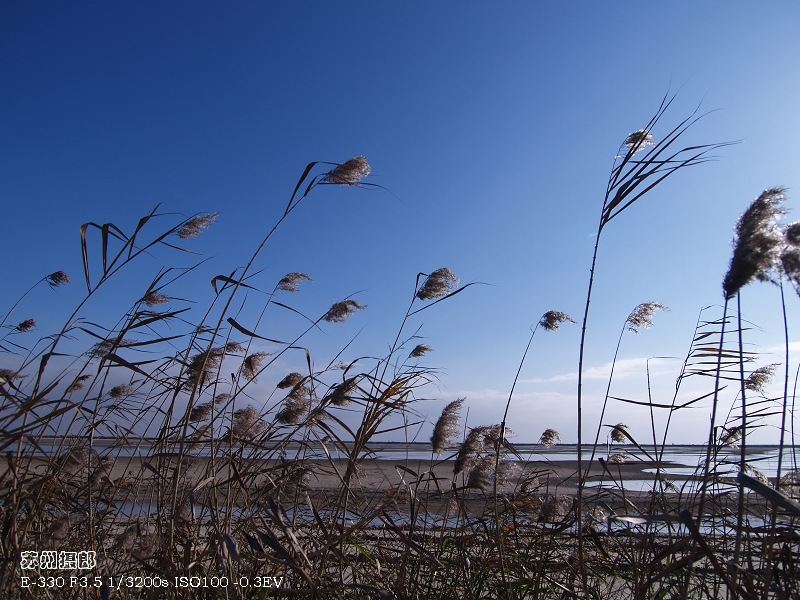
{"x": 631, "y": 178}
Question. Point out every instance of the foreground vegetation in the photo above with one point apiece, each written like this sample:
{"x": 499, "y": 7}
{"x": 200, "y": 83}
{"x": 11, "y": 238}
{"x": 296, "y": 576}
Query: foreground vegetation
{"x": 224, "y": 504}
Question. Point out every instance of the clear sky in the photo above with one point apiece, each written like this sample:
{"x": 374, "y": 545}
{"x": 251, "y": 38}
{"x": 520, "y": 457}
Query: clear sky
{"x": 492, "y": 125}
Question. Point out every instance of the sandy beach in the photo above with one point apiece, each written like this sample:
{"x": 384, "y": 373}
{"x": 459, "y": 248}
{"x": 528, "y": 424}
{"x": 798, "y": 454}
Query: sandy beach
{"x": 371, "y": 484}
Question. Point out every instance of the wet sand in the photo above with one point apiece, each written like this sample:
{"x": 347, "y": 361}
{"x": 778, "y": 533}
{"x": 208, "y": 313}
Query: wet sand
{"x": 370, "y": 484}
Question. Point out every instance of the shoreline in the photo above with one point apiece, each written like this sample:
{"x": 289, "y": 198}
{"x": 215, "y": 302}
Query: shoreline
{"x": 374, "y": 484}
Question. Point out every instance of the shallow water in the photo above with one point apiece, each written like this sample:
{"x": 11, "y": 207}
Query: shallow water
{"x": 681, "y": 459}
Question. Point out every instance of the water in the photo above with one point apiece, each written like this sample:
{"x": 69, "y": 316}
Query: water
{"x": 682, "y": 459}
{"x": 679, "y": 463}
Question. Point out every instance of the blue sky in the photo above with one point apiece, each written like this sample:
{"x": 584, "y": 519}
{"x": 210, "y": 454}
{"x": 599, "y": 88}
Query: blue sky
{"x": 494, "y": 128}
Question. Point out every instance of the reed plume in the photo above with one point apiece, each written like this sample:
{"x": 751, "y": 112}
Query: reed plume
{"x": 642, "y": 316}
{"x": 638, "y": 141}
{"x": 203, "y": 364}
{"x": 247, "y": 423}
{"x": 552, "y": 320}
{"x": 420, "y": 350}
{"x": 790, "y": 256}
{"x": 757, "y": 474}
{"x": 101, "y": 349}
{"x": 196, "y": 225}
{"x": 57, "y": 279}
{"x": 120, "y": 391}
{"x": 730, "y": 435}
{"x": 549, "y": 438}
{"x": 25, "y": 325}
{"x": 618, "y": 432}
{"x": 291, "y": 380}
{"x": 222, "y": 398}
{"x": 341, "y": 393}
{"x": 555, "y": 508}
{"x": 296, "y": 406}
{"x": 201, "y": 412}
{"x": 8, "y": 375}
{"x": 350, "y": 172}
{"x": 77, "y": 383}
{"x": 757, "y": 242}
{"x": 155, "y": 299}
{"x": 489, "y": 469}
{"x": 291, "y": 282}
{"x": 438, "y": 284}
{"x": 760, "y": 377}
{"x": 251, "y": 365}
{"x": 446, "y": 426}
{"x": 475, "y": 443}
{"x": 341, "y": 310}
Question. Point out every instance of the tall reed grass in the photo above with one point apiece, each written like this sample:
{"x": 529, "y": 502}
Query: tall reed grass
{"x": 149, "y": 443}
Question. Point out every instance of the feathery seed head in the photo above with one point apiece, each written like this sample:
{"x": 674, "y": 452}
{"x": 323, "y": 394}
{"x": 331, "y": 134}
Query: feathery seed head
{"x": 757, "y": 474}
{"x": 201, "y": 412}
{"x": 233, "y": 348}
{"x": 483, "y": 473}
{"x": 730, "y": 436}
{"x": 291, "y": 283}
{"x": 154, "y": 299}
{"x": 420, "y": 350}
{"x": 790, "y": 257}
{"x": 555, "y": 508}
{"x": 757, "y": 242}
{"x": 792, "y": 480}
{"x": 642, "y": 316}
{"x": 291, "y": 380}
{"x": 195, "y": 226}
{"x": 7, "y": 375}
{"x": 26, "y": 325}
{"x": 222, "y": 398}
{"x": 120, "y": 391}
{"x": 760, "y": 377}
{"x": 348, "y": 173}
{"x": 617, "y": 459}
{"x": 790, "y": 265}
{"x": 552, "y": 320}
{"x": 77, "y": 384}
{"x": 446, "y": 426}
{"x": 549, "y": 438}
{"x": 295, "y": 406}
{"x": 247, "y": 423}
{"x": 100, "y": 349}
{"x": 480, "y": 475}
{"x": 203, "y": 364}
{"x": 341, "y": 310}
{"x": 638, "y": 141}
{"x": 474, "y": 444}
{"x": 57, "y": 279}
{"x": 791, "y": 233}
{"x": 618, "y": 433}
{"x": 341, "y": 393}
{"x": 251, "y": 365}
{"x": 73, "y": 460}
{"x": 438, "y": 284}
